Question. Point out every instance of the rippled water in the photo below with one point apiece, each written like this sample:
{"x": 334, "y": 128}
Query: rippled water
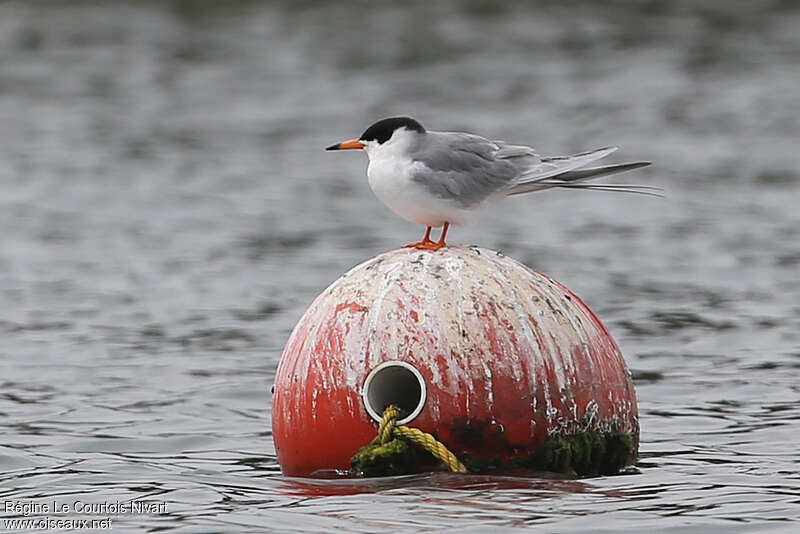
{"x": 167, "y": 213}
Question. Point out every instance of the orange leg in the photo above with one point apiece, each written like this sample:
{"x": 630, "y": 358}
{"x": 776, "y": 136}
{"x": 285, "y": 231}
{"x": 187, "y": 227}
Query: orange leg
{"x": 426, "y": 242}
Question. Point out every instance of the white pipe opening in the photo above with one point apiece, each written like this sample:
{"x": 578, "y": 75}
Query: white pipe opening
{"x": 397, "y": 383}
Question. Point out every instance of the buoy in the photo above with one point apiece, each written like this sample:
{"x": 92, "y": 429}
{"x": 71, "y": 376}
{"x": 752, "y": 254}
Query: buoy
{"x": 503, "y": 365}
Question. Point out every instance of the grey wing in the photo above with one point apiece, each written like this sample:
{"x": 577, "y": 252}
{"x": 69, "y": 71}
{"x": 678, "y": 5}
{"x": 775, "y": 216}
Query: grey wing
{"x": 534, "y": 169}
{"x": 550, "y": 167}
{"x": 462, "y": 167}
{"x": 521, "y": 154}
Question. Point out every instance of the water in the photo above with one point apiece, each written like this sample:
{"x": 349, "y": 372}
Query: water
{"x": 167, "y": 213}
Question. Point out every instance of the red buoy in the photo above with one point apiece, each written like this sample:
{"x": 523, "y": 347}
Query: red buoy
{"x": 486, "y": 354}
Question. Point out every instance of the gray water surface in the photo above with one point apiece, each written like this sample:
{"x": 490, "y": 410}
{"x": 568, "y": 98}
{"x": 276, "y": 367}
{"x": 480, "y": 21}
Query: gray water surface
{"x": 167, "y": 213}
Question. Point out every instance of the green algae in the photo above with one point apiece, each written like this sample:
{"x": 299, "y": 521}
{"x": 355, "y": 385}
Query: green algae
{"x": 585, "y": 453}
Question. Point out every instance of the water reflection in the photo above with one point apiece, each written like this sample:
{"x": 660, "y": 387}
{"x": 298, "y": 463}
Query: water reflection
{"x": 529, "y": 484}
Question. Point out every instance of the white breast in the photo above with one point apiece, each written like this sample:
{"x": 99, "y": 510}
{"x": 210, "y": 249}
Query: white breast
{"x": 391, "y": 181}
{"x": 390, "y": 173}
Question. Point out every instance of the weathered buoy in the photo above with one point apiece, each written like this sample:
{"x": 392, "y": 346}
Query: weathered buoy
{"x": 504, "y": 365}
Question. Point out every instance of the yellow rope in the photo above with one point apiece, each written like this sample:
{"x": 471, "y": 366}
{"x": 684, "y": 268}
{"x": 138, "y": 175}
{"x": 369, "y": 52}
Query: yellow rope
{"x": 389, "y": 427}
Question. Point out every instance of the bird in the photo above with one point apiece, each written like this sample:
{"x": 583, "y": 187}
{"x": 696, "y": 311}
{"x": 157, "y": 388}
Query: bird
{"x": 438, "y": 179}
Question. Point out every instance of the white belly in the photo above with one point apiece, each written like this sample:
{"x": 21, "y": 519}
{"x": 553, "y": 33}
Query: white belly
{"x": 390, "y": 180}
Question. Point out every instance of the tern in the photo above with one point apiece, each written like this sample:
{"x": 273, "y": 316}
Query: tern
{"x": 443, "y": 178}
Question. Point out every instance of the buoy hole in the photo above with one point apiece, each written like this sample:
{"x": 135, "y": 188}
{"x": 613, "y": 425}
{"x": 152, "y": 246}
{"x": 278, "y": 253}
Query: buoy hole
{"x": 397, "y": 383}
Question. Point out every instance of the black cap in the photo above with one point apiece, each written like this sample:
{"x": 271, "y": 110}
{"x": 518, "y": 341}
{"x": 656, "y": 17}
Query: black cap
{"x": 382, "y": 130}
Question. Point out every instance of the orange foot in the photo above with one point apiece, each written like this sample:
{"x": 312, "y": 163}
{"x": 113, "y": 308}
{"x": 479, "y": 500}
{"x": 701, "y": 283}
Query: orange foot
{"x": 427, "y": 244}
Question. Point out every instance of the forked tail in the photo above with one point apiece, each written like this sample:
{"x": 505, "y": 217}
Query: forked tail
{"x": 573, "y": 177}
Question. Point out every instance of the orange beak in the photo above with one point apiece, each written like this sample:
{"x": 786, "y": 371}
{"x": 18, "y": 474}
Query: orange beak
{"x": 350, "y": 144}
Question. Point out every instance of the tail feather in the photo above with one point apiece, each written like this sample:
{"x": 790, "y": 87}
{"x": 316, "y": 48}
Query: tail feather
{"x": 573, "y": 179}
{"x": 648, "y": 190}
